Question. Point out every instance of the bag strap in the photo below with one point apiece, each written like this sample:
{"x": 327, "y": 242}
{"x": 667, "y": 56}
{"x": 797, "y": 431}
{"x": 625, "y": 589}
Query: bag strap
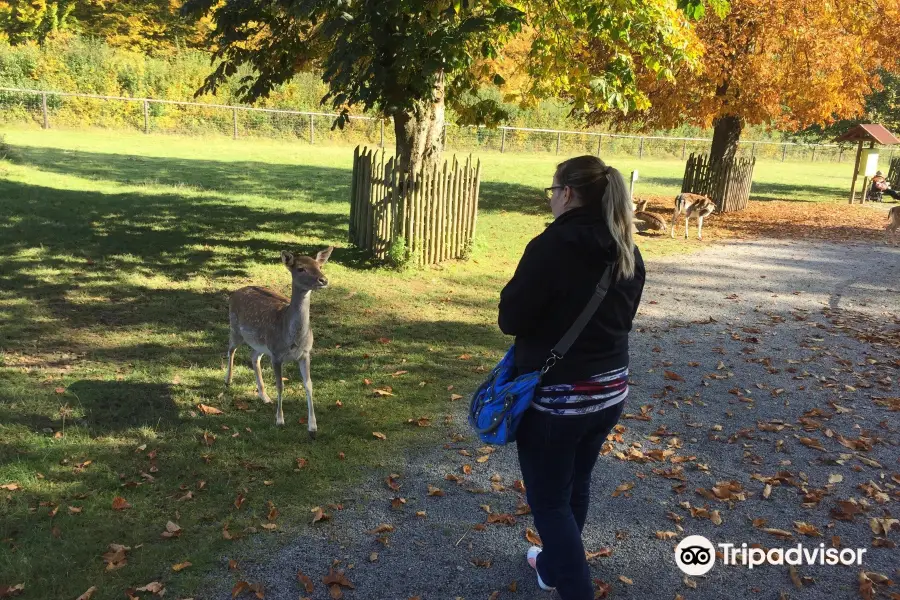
{"x": 562, "y": 347}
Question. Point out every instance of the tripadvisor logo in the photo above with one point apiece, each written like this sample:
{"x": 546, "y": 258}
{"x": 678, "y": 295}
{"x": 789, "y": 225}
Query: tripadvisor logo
{"x": 695, "y": 555}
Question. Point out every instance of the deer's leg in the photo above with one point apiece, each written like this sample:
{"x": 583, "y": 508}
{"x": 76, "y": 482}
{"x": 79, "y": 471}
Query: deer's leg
{"x": 260, "y": 386}
{"x": 699, "y": 227}
{"x": 687, "y": 226}
{"x": 279, "y": 386}
{"x": 674, "y": 217}
{"x": 234, "y": 341}
{"x": 303, "y": 363}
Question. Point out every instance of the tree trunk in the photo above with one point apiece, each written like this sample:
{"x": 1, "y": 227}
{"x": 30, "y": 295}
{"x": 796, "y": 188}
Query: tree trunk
{"x": 726, "y": 134}
{"x": 420, "y": 131}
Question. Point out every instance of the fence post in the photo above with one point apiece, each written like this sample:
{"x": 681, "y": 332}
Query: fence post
{"x": 783, "y": 151}
{"x": 234, "y": 128}
{"x": 312, "y": 136}
{"x": 841, "y": 153}
{"x": 683, "y": 148}
{"x": 382, "y": 133}
{"x": 558, "y": 140}
{"x": 814, "y": 153}
{"x": 146, "y": 116}
{"x": 503, "y": 140}
{"x": 44, "y": 107}
{"x": 753, "y": 150}
{"x": 600, "y": 145}
{"x": 641, "y": 149}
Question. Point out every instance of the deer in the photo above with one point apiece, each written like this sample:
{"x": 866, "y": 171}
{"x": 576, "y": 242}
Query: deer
{"x": 647, "y": 221}
{"x": 278, "y": 327}
{"x": 692, "y": 205}
{"x": 893, "y": 219}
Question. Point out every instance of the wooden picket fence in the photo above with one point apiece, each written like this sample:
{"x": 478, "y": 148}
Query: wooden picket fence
{"x": 434, "y": 211}
{"x": 893, "y": 176}
{"x": 726, "y": 182}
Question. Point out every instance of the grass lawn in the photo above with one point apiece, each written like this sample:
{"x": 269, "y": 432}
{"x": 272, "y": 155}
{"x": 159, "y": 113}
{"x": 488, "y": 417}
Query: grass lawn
{"x": 117, "y": 252}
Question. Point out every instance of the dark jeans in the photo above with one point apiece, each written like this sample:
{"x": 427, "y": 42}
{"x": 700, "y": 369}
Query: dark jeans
{"x": 893, "y": 194}
{"x": 557, "y": 455}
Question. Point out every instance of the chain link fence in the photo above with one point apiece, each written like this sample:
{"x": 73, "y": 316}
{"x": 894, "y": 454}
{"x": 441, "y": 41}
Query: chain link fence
{"x": 67, "y": 110}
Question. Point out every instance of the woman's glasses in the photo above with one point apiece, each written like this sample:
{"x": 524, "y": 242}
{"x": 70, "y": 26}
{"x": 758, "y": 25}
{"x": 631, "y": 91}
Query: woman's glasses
{"x": 548, "y": 191}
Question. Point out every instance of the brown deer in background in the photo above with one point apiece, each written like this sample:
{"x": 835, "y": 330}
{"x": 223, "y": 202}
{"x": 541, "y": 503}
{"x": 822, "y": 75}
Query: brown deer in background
{"x": 894, "y": 219}
{"x": 278, "y": 327}
{"x": 647, "y": 221}
{"x": 692, "y": 205}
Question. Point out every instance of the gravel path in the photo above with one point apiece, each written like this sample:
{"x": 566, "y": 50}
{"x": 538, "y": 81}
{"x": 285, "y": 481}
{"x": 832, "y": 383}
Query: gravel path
{"x": 764, "y": 334}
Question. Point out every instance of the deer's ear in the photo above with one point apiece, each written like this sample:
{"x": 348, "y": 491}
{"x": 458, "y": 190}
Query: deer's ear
{"x": 287, "y": 258}
{"x": 323, "y": 256}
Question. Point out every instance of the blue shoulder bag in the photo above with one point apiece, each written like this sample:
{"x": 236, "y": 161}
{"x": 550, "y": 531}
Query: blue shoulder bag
{"x": 498, "y": 405}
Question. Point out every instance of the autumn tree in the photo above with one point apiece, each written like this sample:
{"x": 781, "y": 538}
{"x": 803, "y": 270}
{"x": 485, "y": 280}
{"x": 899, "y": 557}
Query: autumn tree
{"x": 146, "y": 25}
{"x": 409, "y": 58}
{"x": 784, "y": 64}
{"x": 26, "y": 20}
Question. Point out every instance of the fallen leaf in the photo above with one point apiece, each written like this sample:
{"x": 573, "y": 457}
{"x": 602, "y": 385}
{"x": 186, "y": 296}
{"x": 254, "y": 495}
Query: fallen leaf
{"x": 154, "y": 587}
{"x": 812, "y": 443}
{"x": 622, "y": 488}
{"x": 482, "y": 459}
{"x": 673, "y": 376}
{"x": 383, "y": 393}
{"x": 319, "y": 515}
{"x": 269, "y": 526}
{"x": 866, "y": 587}
{"x": 119, "y": 503}
{"x": 232, "y": 565}
{"x": 777, "y": 532}
{"x": 807, "y": 529}
{"x": 433, "y": 491}
{"x": 180, "y": 566}
{"x": 835, "y": 478}
{"x": 665, "y": 535}
{"x": 501, "y": 519}
{"x": 625, "y": 580}
{"x": 85, "y": 596}
{"x": 10, "y": 487}
{"x": 455, "y": 397}
{"x": 306, "y": 582}
{"x": 337, "y": 578}
{"x": 379, "y": 435}
{"x": 335, "y": 592}
{"x": 601, "y": 553}
{"x": 209, "y": 410}
{"x": 7, "y": 591}
{"x": 533, "y": 537}
{"x": 239, "y": 501}
{"x": 239, "y": 588}
{"x": 383, "y": 528}
{"x": 172, "y": 530}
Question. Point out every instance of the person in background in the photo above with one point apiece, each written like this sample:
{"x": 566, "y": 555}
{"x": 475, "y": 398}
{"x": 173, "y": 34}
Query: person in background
{"x": 881, "y": 186}
{"x": 581, "y": 398}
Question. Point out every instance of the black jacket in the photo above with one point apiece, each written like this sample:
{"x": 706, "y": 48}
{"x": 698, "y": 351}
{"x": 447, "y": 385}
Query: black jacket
{"x": 553, "y": 283}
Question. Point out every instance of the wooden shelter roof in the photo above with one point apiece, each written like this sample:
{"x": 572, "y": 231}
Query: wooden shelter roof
{"x": 869, "y": 132}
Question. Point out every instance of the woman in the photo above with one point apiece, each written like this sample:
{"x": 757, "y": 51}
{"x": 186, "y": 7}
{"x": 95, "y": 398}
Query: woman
{"x": 582, "y": 396}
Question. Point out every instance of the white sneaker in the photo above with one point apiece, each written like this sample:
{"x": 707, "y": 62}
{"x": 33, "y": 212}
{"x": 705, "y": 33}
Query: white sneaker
{"x": 531, "y": 556}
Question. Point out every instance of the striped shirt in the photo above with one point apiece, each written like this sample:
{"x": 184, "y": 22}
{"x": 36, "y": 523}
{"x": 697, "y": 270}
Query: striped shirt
{"x": 583, "y": 397}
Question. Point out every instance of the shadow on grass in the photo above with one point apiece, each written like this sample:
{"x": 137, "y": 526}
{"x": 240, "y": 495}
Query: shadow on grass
{"x": 805, "y": 192}
{"x": 272, "y": 180}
